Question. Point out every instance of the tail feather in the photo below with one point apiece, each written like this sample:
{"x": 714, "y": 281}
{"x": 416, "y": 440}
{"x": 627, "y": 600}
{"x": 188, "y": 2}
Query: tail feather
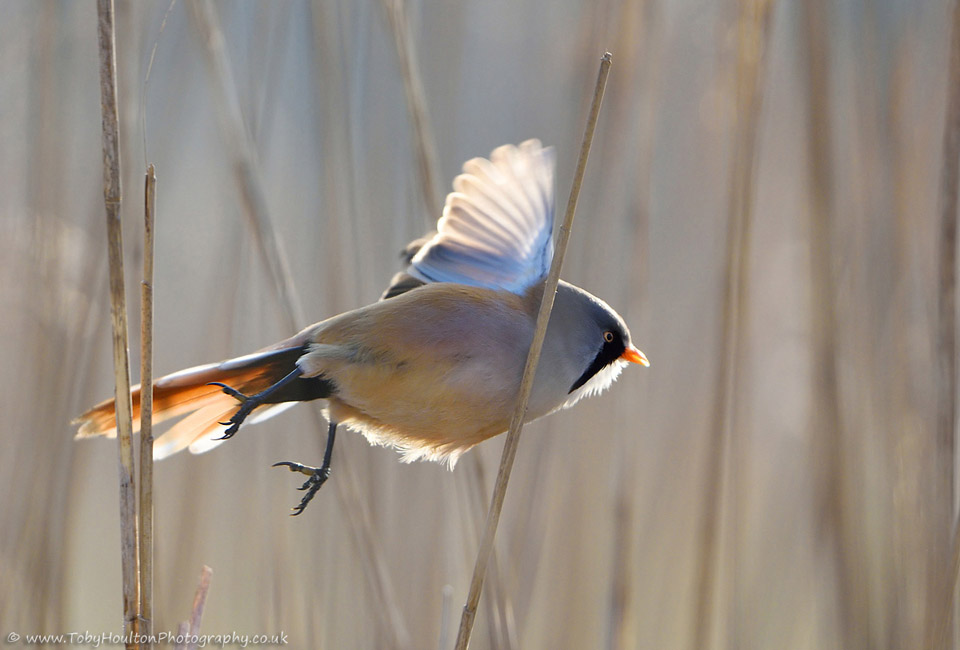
{"x": 264, "y": 413}
{"x": 186, "y": 393}
{"x": 184, "y": 432}
{"x": 206, "y": 438}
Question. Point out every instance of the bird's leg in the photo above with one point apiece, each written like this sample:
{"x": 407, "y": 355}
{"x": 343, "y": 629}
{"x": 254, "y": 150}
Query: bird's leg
{"x": 318, "y": 475}
{"x": 250, "y": 402}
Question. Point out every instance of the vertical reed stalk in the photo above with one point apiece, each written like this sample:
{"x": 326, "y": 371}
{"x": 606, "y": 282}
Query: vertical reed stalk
{"x": 277, "y": 263}
{"x": 941, "y": 605}
{"x": 146, "y": 412}
{"x": 189, "y": 631}
{"x": 529, "y": 371}
{"x": 423, "y": 141}
{"x": 834, "y": 463}
{"x": 118, "y": 312}
{"x": 752, "y": 37}
{"x": 640, "y": 33}
{"x": 245, "y": 163}
{"x": 425, "y": 158}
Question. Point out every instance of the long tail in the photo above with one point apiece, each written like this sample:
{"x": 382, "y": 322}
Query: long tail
{"x": 187, "y": 393}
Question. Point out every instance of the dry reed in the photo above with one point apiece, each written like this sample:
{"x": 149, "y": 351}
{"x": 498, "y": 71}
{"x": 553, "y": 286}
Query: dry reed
{"x": 943, "y": 584}
{"x": 424, "y": 145}
{"x": 529, "y": 371}
{"x": 145, "y": 512}
{"x": 639, "y": 37}
{"x": 189, "y": 631}
{"x": 837, "y": 494}
{"x": 275, "y": 259}
{"x": 753, "y": 28}
{"x": 118, "y": 312}
{"x": 425, "y": 162}
{"x": 245, "y": 165}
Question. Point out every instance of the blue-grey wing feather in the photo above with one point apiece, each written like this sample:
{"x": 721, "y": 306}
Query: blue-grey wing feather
{"x": 497, "y": 225}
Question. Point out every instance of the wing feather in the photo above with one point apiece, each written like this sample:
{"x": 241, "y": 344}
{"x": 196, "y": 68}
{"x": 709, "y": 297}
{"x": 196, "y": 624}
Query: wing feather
{"x": 497, "y": 224}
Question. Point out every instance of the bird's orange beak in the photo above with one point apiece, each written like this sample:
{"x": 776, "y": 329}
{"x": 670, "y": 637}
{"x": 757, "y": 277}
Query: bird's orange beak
{"x": 633, "y": 355}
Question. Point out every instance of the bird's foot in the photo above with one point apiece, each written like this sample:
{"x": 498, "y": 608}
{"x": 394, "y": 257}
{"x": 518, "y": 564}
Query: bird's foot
{"x": 247, "y": 404}
{"x": 250, "y": 402}
{"x": 318, "y": 476}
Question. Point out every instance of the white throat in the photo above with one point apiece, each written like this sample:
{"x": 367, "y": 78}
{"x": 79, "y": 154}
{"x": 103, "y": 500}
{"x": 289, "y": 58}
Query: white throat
{"x": 597, "y": 384}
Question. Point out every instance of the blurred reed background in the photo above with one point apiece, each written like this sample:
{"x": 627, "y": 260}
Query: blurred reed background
{"x": 762, "y": 205}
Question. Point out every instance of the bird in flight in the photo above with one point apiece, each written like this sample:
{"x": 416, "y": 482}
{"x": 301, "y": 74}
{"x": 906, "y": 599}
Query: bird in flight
{"x": 434, "y": 367}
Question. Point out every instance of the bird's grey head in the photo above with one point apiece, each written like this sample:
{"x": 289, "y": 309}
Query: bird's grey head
{"x": 596, "y": 339}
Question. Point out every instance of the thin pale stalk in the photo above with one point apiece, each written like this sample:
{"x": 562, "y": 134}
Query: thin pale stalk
{"x": 118, "y": 311}
{"x": 183, "y": 630}
{"x": 423, "y": 142}
{"x": 835, "y": 461}
{"x": 631, "y": 135}
{"x": 425, "y": 156}
{"x": 146, "y": 412}
{"x": 940, "y": 634}
{"x": 196, "y": 614}
{"x": 753, "y": 33}
{"x": 501, "y": 633}
{"x": 529, "y": 371}
{"x": 275, "y": 259}
{"x": 245, "y": 164}
{"x": 447, "y": 605}
{"x": 360, "y": 528}
{"x": 620, "y": 582}
{"x": 943, "y": 585}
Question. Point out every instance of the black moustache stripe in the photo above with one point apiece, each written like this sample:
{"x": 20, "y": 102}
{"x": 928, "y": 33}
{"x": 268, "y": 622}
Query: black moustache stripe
{"x": 607, "y": 355}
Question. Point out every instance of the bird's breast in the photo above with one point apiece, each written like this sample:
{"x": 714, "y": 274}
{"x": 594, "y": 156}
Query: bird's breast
{"x": 434, "y": 366}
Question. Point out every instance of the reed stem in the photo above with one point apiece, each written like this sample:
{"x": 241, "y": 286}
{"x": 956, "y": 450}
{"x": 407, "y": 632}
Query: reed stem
{"x": 529, "y": 371}
{"x": 118, "y": 312}
{"x": 146, "y": 412}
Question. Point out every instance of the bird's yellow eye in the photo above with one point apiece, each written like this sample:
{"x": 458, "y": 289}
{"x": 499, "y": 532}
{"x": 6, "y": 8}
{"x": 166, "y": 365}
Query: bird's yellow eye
{"x": 608, "y": 336}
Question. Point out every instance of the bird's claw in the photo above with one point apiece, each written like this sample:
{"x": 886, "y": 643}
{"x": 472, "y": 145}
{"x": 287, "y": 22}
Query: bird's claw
{"x": 232, "y": 392}
{"x": 247, "y": 404}
{"x": 297, "y": 467}
{"x": 233, "y": 424}
{"x": 318, "y": 476}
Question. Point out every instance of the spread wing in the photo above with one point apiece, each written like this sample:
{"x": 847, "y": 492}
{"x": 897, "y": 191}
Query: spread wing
{"x": 496, "y": 227}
